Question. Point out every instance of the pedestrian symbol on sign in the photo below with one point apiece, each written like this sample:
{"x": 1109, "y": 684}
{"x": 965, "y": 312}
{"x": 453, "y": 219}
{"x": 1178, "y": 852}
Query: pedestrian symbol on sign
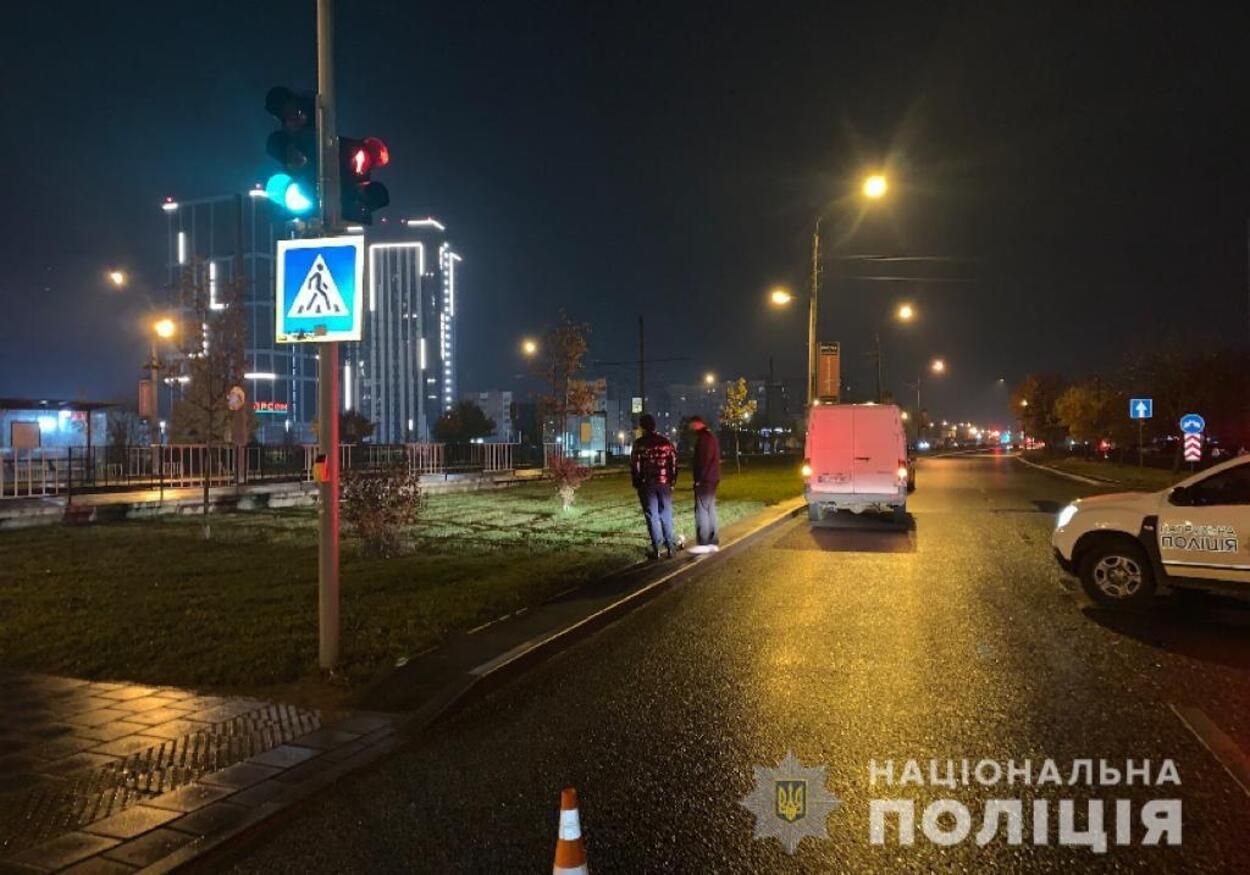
{"x": 318, "y": 294}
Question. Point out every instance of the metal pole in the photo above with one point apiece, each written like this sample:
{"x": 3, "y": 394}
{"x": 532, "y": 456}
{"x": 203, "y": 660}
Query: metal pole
{"x": 155, "y": 419}
{"x": 877, "y": 337}
{"x": 642, "y": 366}
{"x": 328, "y": 360}
{"x": 1141, "y": 427}
{"x": 811, "y": 315}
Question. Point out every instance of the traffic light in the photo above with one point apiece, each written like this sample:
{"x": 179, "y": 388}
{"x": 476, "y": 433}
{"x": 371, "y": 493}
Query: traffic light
{"x": 294, "y": 146}
{"x": 360, "y": 194}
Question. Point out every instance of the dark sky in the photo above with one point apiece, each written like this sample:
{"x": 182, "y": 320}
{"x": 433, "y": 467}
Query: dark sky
{"x": 613, "y": 158}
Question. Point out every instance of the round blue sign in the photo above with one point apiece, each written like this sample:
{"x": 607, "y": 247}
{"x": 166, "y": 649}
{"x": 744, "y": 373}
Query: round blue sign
{"x": 1192, "y": 423}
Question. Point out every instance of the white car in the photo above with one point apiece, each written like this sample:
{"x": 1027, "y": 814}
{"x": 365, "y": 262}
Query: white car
{"x": 1191, "y": 535}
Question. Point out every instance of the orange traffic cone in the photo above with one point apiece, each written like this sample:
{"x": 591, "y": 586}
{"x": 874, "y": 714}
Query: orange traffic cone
{"x": 570, "y": 852}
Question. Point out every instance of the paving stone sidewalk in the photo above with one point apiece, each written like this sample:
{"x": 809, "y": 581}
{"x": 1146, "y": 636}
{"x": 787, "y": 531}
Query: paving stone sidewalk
{"x": 112, "y": 778}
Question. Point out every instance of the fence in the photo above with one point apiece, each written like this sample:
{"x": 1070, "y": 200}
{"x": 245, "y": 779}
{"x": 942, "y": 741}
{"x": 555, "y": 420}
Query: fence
{"x": 68, "y": 470}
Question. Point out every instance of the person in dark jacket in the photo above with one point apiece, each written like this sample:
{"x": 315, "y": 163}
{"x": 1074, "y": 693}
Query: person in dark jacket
{"x": 706, "y": 472}
{"x": 653, "y": 464}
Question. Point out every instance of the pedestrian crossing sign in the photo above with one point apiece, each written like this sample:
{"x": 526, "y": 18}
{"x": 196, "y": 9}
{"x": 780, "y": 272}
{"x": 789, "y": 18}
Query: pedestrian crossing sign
{"x": 319, "y": 286}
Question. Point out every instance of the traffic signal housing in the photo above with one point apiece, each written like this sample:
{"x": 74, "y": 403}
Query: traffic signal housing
{"x": 294, "y": 146}
{"x": 360, "y": 195}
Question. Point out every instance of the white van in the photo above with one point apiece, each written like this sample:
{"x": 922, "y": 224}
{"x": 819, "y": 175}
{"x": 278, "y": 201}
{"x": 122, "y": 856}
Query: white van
{"x": 856, "y": 460}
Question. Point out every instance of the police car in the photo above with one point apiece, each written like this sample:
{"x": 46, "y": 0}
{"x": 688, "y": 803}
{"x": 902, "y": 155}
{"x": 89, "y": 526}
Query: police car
{"x": 1192, "y": 535}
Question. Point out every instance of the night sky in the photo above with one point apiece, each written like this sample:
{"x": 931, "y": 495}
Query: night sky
{"x": 1081, "y": 169}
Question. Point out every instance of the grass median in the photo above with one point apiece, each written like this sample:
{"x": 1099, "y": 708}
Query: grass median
{"x": 1129, "y": 476}
{"x": 153, "y": 602}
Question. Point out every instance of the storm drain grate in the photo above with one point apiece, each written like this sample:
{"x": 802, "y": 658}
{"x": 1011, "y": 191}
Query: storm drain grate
{"x": 48, "y": 811}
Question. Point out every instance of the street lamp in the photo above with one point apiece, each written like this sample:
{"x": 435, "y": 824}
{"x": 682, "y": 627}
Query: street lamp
{"x": 937, "y": 367}
{"x": 162, "y": 329}
{"x": 780, "y": 297}
{"x": 875, "y": 187}
{"x": 117, "y": 278}
{"x": 529, "y": 347}
{"x": 904, "y": 313}
{"x": 709, "y": 378}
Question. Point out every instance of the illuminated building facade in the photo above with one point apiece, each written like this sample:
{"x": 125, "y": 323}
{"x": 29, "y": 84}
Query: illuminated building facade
{"x": 402, "y": 376}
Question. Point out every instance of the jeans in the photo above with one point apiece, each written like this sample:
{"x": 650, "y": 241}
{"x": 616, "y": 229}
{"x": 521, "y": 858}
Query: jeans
{"x": 705, "y": 514}
{"x": 657, "y": 507}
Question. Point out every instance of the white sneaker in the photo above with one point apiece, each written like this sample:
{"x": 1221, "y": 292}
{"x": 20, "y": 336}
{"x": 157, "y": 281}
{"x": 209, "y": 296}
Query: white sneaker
{"x": 712, "y": 548}
{"x": 700, "y": 549}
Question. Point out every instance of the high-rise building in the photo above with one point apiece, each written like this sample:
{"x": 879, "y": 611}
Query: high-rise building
{"x": 402, "y": 375}
{"x": 235, "y": 235}
{"x": 498, "y": 407}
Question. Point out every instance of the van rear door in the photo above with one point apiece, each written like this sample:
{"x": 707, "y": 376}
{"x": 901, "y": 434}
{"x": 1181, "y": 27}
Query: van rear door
{"x": 830, "y": 439}
{"x": 878, "y": 447}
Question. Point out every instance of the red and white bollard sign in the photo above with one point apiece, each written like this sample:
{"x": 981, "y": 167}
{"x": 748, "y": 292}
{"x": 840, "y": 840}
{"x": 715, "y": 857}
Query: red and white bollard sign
{"x": 1193, "y": 447}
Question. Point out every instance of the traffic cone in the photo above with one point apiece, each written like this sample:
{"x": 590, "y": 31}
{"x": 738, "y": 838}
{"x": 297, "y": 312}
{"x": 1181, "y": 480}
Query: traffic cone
{"x": 570, "y": 852}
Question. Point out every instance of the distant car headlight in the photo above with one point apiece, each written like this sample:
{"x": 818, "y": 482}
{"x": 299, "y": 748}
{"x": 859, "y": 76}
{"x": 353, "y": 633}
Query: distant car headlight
{"x": 1065, "y": 516}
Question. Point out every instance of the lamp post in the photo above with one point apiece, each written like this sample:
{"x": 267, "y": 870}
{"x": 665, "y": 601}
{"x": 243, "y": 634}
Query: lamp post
{"x": 937, "y": 366}
{"x": 904, "y": 313}
{"x": 162, "y": 329}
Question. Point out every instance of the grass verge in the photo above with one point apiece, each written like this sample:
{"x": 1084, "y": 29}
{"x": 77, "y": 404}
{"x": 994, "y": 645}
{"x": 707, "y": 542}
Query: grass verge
{"x": 1128, "y": 476}
{"x": 154, "y": 603}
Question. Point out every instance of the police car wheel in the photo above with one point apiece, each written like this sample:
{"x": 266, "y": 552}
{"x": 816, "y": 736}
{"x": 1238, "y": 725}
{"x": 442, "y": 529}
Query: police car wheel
{"x": 1117, "y": 574}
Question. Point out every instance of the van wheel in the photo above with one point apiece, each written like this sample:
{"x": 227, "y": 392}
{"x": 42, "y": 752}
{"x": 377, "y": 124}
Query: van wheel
{"x": 1117, "y": 574}
{"x": 815, "y": 513}
{"x": 898, "y": 515}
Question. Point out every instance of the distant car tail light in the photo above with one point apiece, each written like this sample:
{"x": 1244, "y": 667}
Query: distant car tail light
{"x": 806, "y": 470}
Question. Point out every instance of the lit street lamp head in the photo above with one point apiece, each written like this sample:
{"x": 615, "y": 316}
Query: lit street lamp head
{"x": 780, "y": 297}
{"x": 938, "y": 366}
{"x": 117, "y": 278}
{"x": 709, "y": 378}
{"x": 529, "y": 347}
{"x": 875, "y": 187}
{"x": 164, "y": 328}
{"x": 906, "y": 312}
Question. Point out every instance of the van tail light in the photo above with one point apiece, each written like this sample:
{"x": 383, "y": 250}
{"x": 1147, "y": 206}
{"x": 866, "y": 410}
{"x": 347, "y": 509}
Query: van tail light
{"x": 806, "y": 470}
{"x": 902, "y": 471}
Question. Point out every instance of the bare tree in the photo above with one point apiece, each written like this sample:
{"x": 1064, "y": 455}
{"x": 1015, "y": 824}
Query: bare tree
{"x": 213, "y": 361}
{"x": 559, "y": 365}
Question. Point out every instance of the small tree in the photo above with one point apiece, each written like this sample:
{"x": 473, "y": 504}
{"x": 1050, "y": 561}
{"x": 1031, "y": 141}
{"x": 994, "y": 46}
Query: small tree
{"x": 563, "y": 352}
{"x": 736, "y": 412}
{"x": 213, "y": 361}
{"x": 377, "y": 505}
{"x": 568, "y": 476}
{"x": 354, "y": 427}
{"x": 462, "y": 424}
{"x": 125, "y": 429}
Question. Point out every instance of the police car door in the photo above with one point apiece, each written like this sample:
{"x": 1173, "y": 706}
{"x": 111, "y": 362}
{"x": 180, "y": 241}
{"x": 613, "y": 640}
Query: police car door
{"x": 1204, "y": 529}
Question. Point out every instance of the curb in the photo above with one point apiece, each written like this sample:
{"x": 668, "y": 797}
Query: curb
{"x": 503, "y": 668}
{"x": 1067, "y": 475}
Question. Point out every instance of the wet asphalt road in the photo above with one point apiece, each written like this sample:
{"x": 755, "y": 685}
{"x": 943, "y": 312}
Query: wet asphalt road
{"x": 958, "y": 639}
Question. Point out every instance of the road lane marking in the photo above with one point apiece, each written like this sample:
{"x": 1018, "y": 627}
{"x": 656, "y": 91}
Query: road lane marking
{"x": 1223, "y": 748}
{"x": 1066, "y": 474}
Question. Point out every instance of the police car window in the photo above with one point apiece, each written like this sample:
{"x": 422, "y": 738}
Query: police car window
{"x": 1231, "y": 486}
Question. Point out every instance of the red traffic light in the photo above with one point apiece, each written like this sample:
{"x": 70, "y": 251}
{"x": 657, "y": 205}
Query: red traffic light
{"x": 362, "y": 156}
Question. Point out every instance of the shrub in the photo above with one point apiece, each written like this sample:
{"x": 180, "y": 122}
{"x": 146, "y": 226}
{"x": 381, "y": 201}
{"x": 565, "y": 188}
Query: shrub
{"x": 568, "y": 475}
{"x": 378, "y": 504}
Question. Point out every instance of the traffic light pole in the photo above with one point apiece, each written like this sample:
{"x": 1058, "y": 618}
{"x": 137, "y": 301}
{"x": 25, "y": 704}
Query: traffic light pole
{"x": 328, "y": 361}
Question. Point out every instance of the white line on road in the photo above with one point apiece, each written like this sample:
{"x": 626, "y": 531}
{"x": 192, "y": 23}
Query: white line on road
{"x": 1067, "y": 474}
{"x": 1223, "y": 748}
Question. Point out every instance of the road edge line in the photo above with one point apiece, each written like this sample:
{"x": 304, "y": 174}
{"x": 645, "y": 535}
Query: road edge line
{"x": 1090, "y": 481}
{"x": 1219, "y": 745}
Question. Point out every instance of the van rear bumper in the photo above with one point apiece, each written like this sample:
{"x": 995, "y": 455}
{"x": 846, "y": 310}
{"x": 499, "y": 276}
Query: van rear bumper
{"x": 855, "y": 501}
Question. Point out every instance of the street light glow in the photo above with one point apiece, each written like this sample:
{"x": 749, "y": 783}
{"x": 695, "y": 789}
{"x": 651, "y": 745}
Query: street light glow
{"x": 529, "y": 346}
{"x": 906, "y": 312}
{"x": 164, "y": 328}
{"x": 117, "y": 278}
{"x": 938, "y": 366}
{"x": 781, "y": 297}
{"x": 875, "y": 187}
{"x": 709, "y": 378}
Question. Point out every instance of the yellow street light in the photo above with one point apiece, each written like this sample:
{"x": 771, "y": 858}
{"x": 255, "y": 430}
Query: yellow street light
{"x": 529, "y": 346}
{"x": 117, "y": 278}
{"x": 164, "y": 328}
{"x": 906, "y": 312}
{"x": 709, "y": 378}
{"x": 875, "y": 187}
{"x": 780, "y": 297}
{"x": 938, "y": 366}
{"x": 1024, "y": 402}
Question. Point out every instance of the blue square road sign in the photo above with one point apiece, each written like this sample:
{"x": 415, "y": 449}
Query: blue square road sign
{"x": 1141, "y": 408}
{"x": 319, "y": 289}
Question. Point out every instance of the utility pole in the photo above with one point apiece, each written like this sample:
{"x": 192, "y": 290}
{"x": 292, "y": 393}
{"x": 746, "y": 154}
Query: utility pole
{"x": 328, "y": 358}
{"x": 811, "y": 315}
{"x": 642, "y": 366}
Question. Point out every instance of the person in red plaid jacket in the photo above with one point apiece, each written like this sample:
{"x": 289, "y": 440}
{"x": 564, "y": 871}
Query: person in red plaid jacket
{"x": 653, "y": 464}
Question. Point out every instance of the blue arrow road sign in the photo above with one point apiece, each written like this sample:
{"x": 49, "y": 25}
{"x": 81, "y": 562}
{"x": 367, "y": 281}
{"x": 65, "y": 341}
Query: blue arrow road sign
{"x": 320, "y": 289}
{"x": 1141, "y": 408}
{"x": 1192, "y": 423}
